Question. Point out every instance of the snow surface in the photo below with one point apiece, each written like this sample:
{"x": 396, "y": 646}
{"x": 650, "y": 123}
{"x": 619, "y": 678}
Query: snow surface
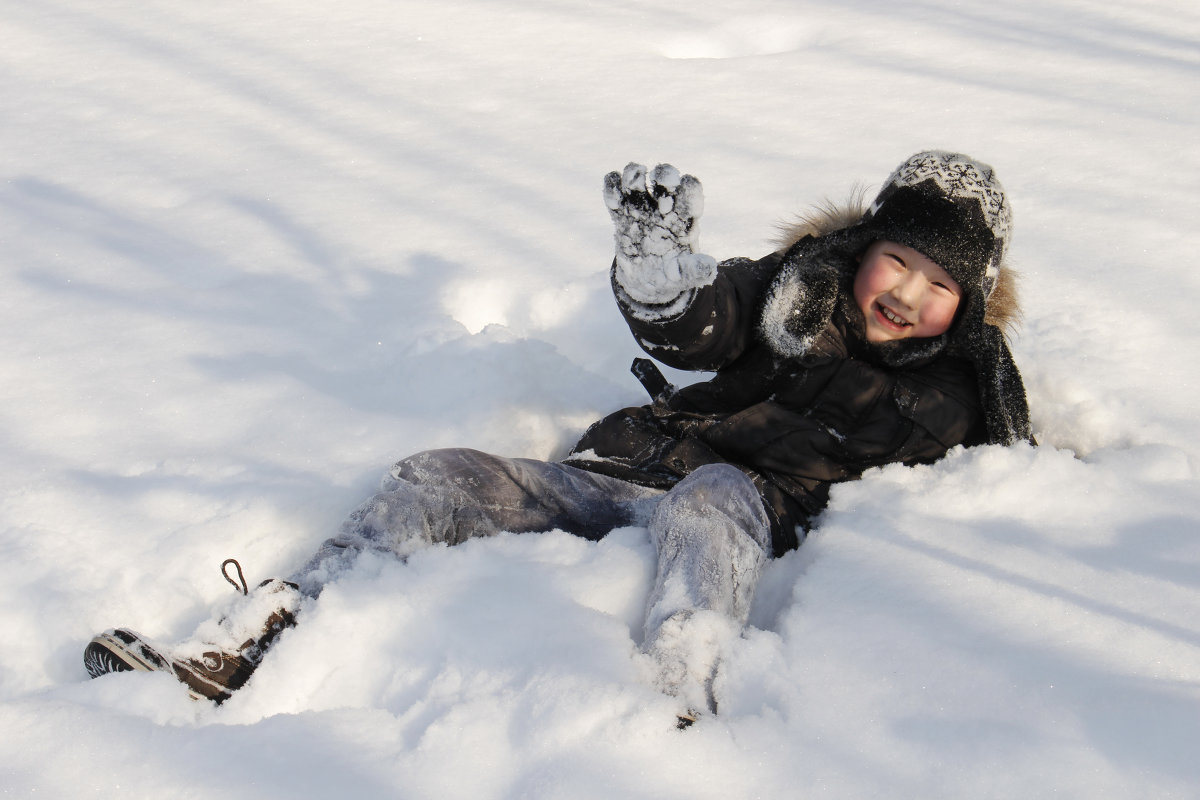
{"x": 252, "y": 253}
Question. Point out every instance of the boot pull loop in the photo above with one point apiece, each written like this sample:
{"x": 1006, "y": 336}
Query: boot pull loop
{"x": 224, "y": 566}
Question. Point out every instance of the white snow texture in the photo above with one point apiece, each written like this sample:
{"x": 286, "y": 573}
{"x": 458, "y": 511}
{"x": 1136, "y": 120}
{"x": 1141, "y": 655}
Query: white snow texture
{"x": 253, "y": 253}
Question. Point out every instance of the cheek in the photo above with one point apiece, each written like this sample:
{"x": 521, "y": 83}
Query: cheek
{"x": 860, "y": 292}
{"x": 938, "y": 315}
{"x": 868, "y": 284}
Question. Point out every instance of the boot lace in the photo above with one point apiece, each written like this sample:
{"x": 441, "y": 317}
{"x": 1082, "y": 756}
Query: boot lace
{"x": 242, "y": 578}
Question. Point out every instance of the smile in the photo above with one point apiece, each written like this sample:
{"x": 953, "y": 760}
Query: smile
{"x": 892, "y": 316}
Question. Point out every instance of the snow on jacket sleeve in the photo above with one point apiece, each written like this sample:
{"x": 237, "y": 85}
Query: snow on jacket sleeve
{"x": 705, "y": 328}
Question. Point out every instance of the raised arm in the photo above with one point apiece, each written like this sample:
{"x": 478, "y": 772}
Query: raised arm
{"x": 682, "y": 307}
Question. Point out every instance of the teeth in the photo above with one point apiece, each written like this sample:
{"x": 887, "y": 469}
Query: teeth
{"x": 898, "y": 320}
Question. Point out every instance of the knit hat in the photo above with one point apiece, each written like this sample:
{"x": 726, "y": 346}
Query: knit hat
{"x": 952, "y": 209}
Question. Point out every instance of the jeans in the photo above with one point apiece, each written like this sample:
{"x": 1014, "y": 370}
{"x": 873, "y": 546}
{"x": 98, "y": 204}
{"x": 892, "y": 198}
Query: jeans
{"x": 710, "y": 531}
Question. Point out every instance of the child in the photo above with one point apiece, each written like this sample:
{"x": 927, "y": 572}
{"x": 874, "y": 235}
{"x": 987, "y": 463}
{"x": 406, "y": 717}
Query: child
{"x": 872, "y": 337}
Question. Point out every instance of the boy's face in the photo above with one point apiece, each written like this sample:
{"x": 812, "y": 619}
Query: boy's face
{"x": 903, "y": 294}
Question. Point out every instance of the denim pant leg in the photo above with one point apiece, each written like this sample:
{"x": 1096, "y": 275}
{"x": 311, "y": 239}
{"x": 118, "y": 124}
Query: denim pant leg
{"x": 449, "y": 496}
{"x": 713, "y": 536}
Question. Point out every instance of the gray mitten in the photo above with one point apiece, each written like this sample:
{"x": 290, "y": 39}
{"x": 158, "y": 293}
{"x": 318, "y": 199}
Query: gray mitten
{"x": 655, "y": 217}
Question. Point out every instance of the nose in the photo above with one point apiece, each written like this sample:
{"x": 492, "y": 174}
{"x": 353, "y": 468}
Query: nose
{"x": 909, "y": 289}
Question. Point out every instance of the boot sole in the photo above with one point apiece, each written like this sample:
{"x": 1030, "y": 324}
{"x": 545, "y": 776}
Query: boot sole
{"x": 124, "y": 650}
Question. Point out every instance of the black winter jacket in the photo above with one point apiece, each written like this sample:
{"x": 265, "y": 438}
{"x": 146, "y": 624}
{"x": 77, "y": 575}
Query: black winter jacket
{"x": 794, "y": 425}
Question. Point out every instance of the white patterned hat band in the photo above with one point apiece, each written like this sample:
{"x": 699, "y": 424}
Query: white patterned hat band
{"x": 951, "y": 208}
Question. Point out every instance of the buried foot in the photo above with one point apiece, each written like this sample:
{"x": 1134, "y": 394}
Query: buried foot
{"x": 229, "y": 652}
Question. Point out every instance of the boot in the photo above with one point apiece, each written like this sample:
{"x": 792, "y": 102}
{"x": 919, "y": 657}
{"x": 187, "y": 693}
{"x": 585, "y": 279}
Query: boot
{"x": 225, "y": 653}
{"x": 685, "y": 652}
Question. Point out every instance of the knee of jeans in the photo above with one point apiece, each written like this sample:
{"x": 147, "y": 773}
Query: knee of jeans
{"x": 725, "y": 489}
{"x": 723, "y": 486}
{"x": 428, "y": 466}
{"x": 726, "y": 476}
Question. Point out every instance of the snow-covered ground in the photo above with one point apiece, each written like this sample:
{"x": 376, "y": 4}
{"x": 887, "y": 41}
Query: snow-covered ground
{"x": 250, "y": 253}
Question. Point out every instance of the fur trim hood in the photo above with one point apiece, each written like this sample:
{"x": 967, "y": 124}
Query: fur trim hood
{"x": 1003, "y": 304}
{"x": 821, "y": 253}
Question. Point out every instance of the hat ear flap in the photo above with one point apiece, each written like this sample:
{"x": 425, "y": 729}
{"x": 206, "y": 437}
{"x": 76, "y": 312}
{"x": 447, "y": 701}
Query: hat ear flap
{"x": 1006, "y": 408}
{"x": 798, "y": 304}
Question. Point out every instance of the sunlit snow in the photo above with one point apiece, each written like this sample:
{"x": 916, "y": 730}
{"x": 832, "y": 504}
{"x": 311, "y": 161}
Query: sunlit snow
{"x": 252, "y": 253}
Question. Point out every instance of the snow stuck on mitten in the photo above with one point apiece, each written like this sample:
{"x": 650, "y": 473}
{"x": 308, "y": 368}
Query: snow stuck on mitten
{"x": 656, "y": 234}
